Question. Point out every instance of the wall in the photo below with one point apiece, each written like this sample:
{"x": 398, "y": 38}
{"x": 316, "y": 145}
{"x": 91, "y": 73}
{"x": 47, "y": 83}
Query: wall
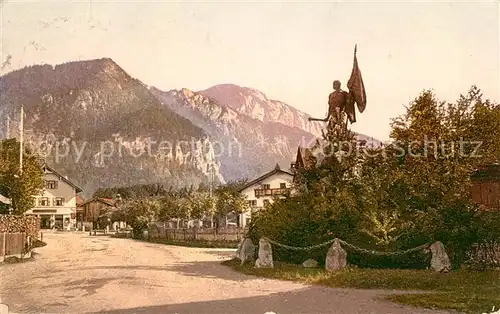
{"x": 486, "y": 193}
{"x": 92, "y": 210}
{"x": 63, "y": 190}
{"x": 13, "y": 244}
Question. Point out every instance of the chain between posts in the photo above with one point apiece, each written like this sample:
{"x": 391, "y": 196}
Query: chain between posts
{"x": 351, "y": 246}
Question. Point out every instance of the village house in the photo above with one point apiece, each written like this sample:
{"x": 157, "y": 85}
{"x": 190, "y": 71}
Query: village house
{"x": 263, "y": 190}
{"x": 93, "y": 209}
{"x": 56, "y": 206}
{"x": 485, "y": 188}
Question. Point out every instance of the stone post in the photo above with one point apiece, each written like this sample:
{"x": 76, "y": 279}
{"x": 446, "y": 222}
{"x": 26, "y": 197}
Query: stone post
{"x": 440, "y": 261}
{"x": 265, "y": 259}
{"x": 336, "y": 258}
{"x": 246, "y": 250}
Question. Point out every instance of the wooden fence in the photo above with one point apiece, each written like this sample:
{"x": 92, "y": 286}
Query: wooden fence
{"x": 159, "y": 231}
{"x": 13, "y": 244}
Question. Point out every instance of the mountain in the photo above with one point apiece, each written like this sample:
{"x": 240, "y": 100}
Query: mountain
{"x": 247, "y": 147}
{"x": 254, "y": 103}
{"x": 101, "y": 127}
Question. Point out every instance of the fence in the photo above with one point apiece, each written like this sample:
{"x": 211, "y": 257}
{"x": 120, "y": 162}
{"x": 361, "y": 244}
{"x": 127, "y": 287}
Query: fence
{"x": 485, "y": 254}
{"x": 13, "y": 244}
{"x": 159, "y": 231}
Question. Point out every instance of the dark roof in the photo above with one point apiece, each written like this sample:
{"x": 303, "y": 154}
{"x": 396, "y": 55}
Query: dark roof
{"x": 276, "y": 170}
{"x": 47, "y": 167}
{"x": 304, "y": 157}
{"x": 106, "y": 201}
{"x": 488, "y": 172}
{"x": 79, "y": 200}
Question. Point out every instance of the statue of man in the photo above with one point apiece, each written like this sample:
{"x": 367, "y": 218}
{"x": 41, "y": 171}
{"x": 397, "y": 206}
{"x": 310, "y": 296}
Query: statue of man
{"x": 337, "y": 101}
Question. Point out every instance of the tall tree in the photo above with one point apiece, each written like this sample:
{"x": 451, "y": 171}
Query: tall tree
{"x": 19, "y": 187}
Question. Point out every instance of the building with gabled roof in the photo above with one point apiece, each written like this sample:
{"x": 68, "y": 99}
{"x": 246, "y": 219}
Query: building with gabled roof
{"x": 94, "y": 208}
{"x": 485, "y": 189}
{"x": 56, "y": 205}
{"x": 274, "y": 184}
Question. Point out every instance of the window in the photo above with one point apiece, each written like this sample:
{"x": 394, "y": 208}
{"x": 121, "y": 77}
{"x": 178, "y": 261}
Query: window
{"x": 51, "y": 184}
{"x": 59, "y": 201}
{"x": 252, "y": 203}
{"x": 266, "y": 186}
{"x": 282, "y": 185}
{"x": 43, "y": 201}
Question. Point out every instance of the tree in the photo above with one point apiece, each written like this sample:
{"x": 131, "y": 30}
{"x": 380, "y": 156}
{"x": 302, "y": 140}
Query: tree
{"x": 439, "y": 143}
{"x": 228, "y": 200}
{"x": 202, "y": 205}
{"x": 19, "y": 187}
{"x": 140, "y": 213}
{"x": 412, "y": 191}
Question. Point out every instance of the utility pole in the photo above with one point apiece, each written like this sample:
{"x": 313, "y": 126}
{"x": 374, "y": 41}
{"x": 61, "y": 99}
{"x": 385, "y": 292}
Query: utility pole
{"x": 8, "y": 128}
{"x": 211, "y": 173}
{"x": 21, "y": 135}
{"x": 211, "y": 181}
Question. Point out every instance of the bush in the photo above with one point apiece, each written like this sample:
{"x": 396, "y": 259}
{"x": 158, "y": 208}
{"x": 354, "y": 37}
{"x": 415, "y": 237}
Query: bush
{"x": 486, "y": 252}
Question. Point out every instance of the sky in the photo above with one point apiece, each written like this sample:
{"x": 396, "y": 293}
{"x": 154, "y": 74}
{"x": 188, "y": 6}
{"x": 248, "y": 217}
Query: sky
{"x": 291, "y": 51}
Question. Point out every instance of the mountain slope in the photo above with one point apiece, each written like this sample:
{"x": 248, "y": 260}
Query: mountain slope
{"x": 256, "y": 146}
{"x": 97, "y": 124}
{"x": 257, "y": 105}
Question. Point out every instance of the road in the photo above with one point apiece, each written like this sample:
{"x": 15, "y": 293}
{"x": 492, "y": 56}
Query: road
{"x": 78, "y": 273}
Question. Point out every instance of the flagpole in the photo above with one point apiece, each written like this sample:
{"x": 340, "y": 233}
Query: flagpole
{"x": 21, "y": 131}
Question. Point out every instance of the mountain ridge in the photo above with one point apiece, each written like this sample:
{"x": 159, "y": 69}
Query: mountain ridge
{"x": 96, "y": 100}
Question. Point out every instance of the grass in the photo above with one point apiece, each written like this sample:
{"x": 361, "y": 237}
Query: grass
{"x": 460, "y": 290}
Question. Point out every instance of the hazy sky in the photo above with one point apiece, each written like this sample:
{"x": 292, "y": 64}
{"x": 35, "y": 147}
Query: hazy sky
{"x": 291, "y": 51}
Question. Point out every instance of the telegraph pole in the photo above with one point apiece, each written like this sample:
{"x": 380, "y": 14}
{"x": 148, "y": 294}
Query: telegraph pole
{"x": 8, "y": 128}
{"x": 21, "y": 135}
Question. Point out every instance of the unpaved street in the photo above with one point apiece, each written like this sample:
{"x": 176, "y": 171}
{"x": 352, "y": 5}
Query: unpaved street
{"x": 77, "y": 273}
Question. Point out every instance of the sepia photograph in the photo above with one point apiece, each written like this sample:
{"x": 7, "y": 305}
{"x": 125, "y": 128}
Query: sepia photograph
{"x": 254, "y": 157}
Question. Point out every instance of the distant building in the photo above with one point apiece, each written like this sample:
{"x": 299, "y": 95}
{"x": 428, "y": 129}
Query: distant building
{"x": 94, "y": 208}
{"x": 304, "y": 159}
{"x": 485, "y": 188}
{"x": 56, "y": 206}
{"x": 263, "y": 190}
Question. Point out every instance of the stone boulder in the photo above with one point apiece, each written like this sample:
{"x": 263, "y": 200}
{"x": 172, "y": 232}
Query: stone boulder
{"x": 336, "y": 258}
{"x": 310, "y": 263}
{"x": 238, "y": 248}
{"x": 245, "y": 251}
{"x": 265, "y": 259}
{"x": 440, "y": 261}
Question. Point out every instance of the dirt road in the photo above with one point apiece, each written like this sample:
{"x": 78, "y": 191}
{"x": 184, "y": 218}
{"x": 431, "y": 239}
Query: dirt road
{"x": 77, "y": 273}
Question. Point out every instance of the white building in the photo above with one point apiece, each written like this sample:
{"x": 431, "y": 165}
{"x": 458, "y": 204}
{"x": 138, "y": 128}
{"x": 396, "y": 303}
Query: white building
{"x": 258, "y": 192}
{"x": 56, "y": 206}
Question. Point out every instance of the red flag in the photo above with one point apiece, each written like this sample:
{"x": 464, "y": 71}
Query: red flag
{"x": 356, "y": 86}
